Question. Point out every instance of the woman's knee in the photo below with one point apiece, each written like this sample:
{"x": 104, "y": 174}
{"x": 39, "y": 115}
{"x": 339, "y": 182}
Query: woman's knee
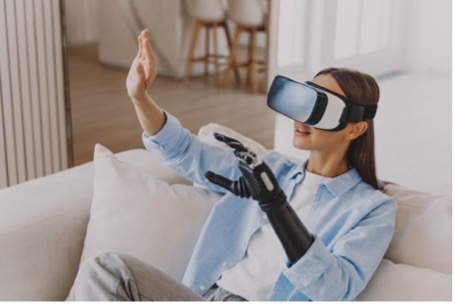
{"x": 93, "y": 264}
{"x": 97, "y": 278}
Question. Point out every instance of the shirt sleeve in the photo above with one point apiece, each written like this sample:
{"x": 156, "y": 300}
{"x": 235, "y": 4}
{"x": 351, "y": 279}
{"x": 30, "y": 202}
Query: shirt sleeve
{"x": 342, "y": 271}
{"x": 176, "y": 147}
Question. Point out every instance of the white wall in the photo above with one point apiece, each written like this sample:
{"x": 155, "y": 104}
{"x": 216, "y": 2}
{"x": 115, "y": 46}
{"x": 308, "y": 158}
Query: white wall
{"x": 430, "y": 42}
{"x": 81, "y": 21}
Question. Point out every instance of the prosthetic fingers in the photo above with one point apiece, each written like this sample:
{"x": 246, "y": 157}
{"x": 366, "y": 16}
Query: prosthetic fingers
{"x": 258, "y": 182}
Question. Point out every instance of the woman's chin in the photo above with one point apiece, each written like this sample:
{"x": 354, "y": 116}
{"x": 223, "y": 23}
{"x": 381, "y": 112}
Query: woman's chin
{"x": 299, "y": 144}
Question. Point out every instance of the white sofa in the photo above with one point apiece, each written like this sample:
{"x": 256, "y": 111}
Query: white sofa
{"x": 116, "y": 204}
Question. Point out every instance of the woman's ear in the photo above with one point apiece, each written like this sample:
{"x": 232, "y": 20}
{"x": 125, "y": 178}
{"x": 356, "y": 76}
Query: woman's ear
{"x": 355, "y": 130}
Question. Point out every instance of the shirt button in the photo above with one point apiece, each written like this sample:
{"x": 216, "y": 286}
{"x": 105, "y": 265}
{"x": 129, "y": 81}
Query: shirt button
{"x": 224, "y": 264}
{"x": 202, "y": 287}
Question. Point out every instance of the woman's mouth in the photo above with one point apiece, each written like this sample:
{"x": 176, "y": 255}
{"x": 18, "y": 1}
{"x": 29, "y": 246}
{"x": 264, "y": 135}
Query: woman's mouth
{"x": 301, "y": 130}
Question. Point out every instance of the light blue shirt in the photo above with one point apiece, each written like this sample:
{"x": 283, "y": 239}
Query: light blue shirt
{"x": 351, "y": 221}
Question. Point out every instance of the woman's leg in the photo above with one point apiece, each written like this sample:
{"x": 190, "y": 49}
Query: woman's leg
{"x": 118, "y": 277}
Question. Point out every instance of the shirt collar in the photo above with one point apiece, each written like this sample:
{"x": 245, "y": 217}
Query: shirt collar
{"x": 337, "y": 186}
{"x": 297, "y": 172}
{"x": 343, "y": 183}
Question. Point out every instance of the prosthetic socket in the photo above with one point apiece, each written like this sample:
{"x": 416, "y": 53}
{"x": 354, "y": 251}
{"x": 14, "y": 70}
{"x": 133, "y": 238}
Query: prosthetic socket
{"x": 258, "y": 182}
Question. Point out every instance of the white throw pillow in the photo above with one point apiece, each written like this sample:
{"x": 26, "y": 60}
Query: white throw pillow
{"x": 418, "y": 263}
{"x": 135, "y": 213}
{"x": 423, "y": 232}
{"x": 399, "y": 282}
{"x": 206, "y": 134}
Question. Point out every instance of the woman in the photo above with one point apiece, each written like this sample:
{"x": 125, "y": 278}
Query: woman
{"x": 335, "y": 194}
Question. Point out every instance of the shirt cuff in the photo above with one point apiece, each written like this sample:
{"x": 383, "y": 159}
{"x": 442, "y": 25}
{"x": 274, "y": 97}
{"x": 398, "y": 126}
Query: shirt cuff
{"x": 307, "y": 270}
{"x": 164, "y": 136}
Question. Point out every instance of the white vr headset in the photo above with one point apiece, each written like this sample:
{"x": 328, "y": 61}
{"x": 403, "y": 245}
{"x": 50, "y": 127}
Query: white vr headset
{"x": 316, "y": 106}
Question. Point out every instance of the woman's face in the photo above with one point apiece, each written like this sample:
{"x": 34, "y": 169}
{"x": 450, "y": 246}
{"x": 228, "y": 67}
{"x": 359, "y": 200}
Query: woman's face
{"x": 309, "y": 138}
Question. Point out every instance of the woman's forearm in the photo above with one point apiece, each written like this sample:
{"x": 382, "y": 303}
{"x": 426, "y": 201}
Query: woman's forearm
{"x": 150, "y": 115}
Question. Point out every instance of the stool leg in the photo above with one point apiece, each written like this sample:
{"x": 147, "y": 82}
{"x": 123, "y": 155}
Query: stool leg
{"x": 207, "y": 49}
{"x": 194, "y": 38}
{"x": 215, "y": 50}
{"x": 229, "y": 41}
{"x": 249, "y": 55}
{"x": 254, "y": 62}
{"x": 232, "y": 54}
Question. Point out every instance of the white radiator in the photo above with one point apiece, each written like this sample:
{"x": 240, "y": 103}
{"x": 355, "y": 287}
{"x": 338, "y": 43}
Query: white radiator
{"x": 33, "y": 124}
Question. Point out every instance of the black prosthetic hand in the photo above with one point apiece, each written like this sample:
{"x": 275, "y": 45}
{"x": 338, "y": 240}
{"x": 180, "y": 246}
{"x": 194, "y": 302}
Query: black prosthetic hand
{"x": 258, "y": 182}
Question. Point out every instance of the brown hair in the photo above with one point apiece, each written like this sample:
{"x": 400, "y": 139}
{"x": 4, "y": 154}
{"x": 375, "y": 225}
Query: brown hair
{"x": 359, "y": 88}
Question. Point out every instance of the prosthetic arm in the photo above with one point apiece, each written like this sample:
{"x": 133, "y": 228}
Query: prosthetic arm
{"x": 258, "y": 182}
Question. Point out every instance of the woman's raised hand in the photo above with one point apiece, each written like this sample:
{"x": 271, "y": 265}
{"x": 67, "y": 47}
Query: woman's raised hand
{"x": 140, "y": 77}
{"x": 143, "y": 69}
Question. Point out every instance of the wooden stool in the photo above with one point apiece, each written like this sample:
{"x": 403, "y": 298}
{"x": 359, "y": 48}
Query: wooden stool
{"x": 214, "y": 58}
{"x": 249, "y": 16}
{"x": 211, "y": 15}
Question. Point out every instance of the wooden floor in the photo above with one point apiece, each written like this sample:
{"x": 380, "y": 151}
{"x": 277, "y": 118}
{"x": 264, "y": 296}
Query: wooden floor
{"x": 102, "y": 112}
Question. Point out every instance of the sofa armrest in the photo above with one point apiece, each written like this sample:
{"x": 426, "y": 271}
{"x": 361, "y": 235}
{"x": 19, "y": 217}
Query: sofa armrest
{"x": 42, "y": 229}
{"x": 43, "y": 223}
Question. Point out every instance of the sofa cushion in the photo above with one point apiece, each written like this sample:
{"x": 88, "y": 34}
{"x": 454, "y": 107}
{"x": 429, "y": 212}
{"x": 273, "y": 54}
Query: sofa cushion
{"x": 135, "y": 213}
{"x": 401, "y": 282}
{"x": 423, "y": 231}
{"x": 42, "y": 228}
{"x": 149, "y": 163}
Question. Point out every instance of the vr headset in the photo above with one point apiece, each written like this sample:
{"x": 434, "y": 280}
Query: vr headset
{"x": 316, "y": 106}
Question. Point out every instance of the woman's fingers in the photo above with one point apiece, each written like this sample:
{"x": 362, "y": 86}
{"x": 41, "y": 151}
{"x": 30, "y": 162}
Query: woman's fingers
{"x": 140, "y": 43}
{"x": 147, "y": 48}
{"x": 144, "y": 65}
{"x": 139, "y": 47}
{"x": 148, "y": 58}
{"x": 141, "y": 73}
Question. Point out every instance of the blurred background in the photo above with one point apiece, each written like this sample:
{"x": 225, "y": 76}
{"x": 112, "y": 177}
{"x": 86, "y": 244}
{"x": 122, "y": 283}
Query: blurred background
{"x": 63, "y": 66}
